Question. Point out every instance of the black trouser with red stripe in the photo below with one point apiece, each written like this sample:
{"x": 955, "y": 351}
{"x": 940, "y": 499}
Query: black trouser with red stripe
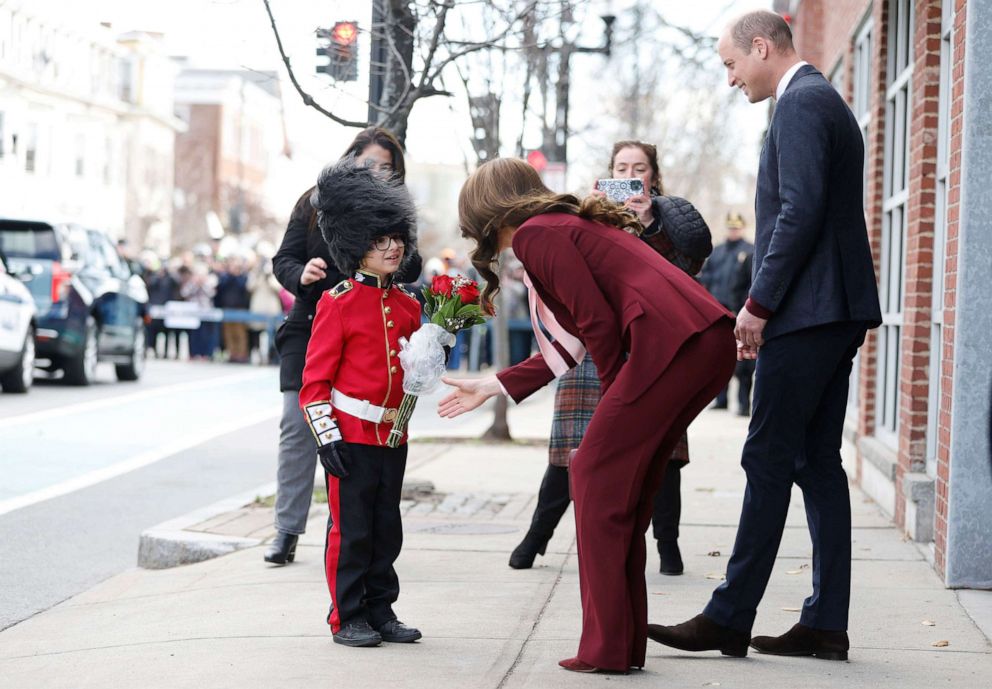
{"x": 364, "y": 536}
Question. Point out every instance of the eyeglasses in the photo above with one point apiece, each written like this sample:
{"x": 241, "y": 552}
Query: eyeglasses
{"x": 384, "y": 170}
{"x": 383, "y": 243}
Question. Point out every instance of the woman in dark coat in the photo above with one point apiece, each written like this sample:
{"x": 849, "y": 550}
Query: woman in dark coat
{"x": 663, "y": 347}
{"x": 304, "y": 267}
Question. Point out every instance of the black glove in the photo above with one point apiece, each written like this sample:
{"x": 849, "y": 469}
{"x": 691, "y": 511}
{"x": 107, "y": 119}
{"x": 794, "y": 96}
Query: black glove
{"x": 334, "y": 458}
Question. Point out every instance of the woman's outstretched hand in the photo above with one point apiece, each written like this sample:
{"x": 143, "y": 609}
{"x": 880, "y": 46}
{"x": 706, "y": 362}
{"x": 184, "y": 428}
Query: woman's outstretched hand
{"x": 468, "y": 394}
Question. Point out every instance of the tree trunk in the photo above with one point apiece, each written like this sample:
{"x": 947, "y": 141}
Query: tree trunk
{"x": 500, "y": 430}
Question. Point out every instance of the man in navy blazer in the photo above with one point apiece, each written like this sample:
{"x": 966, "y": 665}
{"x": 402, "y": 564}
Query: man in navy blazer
{"x": 812, "y": 298}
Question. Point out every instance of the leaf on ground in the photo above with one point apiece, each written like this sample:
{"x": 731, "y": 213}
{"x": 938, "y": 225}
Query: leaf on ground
{"x": 716, "y": 576}
{"x": 941, "y": 644}
{"x": 801, "y": 569}
{"x": 714, "y": 553}
{"x": 928, "y": 623}
{"x": 793, "y": 609}
{"x": 705, "y": 490}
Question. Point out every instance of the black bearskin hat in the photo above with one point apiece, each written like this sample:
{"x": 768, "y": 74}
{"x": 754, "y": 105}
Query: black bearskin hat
{"x": 355, "y": 207}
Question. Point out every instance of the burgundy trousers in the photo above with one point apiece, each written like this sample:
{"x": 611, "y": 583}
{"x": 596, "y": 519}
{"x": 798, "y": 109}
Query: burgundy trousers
{"x": 614, "y": 477}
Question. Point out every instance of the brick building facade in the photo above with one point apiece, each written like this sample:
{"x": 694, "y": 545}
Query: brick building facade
{"x": 235, "y": 132}
{"x": 918, "y": 429}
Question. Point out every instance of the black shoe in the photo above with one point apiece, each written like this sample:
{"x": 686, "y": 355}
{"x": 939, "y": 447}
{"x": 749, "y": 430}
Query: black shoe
{"x": 701, "y": 634}
{"x": 396, "y": 632}
{"x": 523, "y": 555}
{"x": 744, "y": 412}
{"x": 805, "y": 641}
{"x": 356, "y": 634}
{"x": 671, "y": 558}
{"x": 282, "y": 549}
{"x": 719, "y": 405}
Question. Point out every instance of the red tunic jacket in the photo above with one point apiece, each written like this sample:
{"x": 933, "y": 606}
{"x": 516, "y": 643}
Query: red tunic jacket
{"x": 353, "y": 349}
{"x": 628, "y": 305}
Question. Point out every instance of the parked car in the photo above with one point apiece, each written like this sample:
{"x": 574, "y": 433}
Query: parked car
{"x": 91, "y": 307}
{"x": 17, "y": 326}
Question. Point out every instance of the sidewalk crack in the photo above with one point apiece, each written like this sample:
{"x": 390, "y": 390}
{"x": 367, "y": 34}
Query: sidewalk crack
{"x": 537, "y": 620}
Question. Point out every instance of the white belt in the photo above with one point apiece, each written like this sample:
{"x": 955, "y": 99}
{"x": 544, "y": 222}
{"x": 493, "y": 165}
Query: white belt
{"x": 362, "y": 409}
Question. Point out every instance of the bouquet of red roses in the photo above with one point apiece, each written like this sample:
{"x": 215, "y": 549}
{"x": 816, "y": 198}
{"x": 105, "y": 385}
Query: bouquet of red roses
{"x": 451, "y": 304}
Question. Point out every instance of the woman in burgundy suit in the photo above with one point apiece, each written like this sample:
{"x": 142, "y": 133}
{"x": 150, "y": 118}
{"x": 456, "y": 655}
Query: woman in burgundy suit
{"x": 663, "y": 348}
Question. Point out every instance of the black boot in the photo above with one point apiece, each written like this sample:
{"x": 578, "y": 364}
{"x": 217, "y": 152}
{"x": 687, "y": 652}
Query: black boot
{"x": 671, "y": 558}
{"x": 523, "y": 555}
{"x": 283, "y": 549}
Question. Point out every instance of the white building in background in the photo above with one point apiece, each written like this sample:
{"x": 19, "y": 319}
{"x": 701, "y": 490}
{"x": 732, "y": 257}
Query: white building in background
{"x": 235, "y": 134}
{"x": 87, "y": 132}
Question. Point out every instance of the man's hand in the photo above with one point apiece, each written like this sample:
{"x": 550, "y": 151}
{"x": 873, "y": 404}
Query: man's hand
{"x": 334, "y": 458}
{"x": 313, "y": 271}
{"x": 467, "y": 395}
{"x": 745, "y": 353}
{"x": 748, "y": 330}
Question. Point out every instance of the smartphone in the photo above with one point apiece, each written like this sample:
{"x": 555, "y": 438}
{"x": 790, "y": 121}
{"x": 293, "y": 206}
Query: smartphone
{"x": 619, "y": 190}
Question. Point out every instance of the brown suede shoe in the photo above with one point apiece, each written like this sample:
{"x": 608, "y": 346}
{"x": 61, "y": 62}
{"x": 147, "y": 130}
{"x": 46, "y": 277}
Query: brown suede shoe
{"x": 701, "y": 634}
{"x": 805, "y": 641}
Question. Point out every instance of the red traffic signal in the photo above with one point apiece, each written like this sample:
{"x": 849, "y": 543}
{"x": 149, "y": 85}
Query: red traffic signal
{"x": 340, "y": 46}
{"x": 344, "y": 33}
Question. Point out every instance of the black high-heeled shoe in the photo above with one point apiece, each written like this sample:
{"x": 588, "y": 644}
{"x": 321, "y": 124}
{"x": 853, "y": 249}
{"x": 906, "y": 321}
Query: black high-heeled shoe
{"x": 283, "y": 549}
{"x": 523, "y": 555}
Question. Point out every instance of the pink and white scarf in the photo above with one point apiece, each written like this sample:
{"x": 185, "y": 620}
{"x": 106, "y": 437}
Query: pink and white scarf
{"x": 540, "y": 313}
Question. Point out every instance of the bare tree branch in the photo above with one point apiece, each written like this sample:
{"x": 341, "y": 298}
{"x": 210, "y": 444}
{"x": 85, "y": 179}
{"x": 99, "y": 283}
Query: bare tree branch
{"x": 307, "y": 98}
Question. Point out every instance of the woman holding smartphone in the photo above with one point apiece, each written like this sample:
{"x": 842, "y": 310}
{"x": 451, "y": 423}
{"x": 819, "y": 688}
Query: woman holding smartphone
{"x": 304, "y": 267}
{"x": 662, "y": 348}
{"x": 578, "y": 390}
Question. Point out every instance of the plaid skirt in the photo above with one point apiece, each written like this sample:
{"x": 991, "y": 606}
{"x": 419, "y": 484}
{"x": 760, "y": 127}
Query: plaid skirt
{"x": 575, "y": 401}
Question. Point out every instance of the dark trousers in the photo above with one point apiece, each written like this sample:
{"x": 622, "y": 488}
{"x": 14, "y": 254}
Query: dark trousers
{"x": 800, "y": 399}
{"x": 364, "y": 536}
{"x": 553, "y": 499}
{"x": 744, "y": 373}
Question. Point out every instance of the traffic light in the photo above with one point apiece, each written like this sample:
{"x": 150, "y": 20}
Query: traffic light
{"x": 340, "y": 46}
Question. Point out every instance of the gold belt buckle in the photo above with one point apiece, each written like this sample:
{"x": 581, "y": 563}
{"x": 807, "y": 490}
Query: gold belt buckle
{"x": 390, "y": 415}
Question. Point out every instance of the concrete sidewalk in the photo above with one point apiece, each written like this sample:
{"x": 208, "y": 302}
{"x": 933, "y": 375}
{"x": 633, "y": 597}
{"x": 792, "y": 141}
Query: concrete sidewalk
{"x": 235, "y": 622}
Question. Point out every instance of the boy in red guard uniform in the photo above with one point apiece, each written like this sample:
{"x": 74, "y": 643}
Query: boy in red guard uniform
{"x": 352, "y": 385}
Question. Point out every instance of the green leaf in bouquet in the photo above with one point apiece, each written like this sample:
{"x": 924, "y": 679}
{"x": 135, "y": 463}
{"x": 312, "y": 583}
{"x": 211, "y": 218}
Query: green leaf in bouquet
{"x": 430, "y": 303}
{"x": 469, "y": 310}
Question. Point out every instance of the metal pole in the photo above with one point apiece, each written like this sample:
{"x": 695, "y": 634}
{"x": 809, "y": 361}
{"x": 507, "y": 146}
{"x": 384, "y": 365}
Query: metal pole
{"x": 378, "y": 57}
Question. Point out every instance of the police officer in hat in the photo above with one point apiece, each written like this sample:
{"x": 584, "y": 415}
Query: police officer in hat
{"x": 727, "y": 275}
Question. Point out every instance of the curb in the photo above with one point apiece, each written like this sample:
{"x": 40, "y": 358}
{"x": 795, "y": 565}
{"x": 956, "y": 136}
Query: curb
{"x": 170, "y": 544}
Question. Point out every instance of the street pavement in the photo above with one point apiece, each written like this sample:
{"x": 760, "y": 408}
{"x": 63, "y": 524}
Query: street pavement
{"x": 235, "y": 621}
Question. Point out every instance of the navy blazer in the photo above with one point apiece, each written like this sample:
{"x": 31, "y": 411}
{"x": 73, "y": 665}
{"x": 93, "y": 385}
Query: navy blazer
{"x": 812, "y": 260}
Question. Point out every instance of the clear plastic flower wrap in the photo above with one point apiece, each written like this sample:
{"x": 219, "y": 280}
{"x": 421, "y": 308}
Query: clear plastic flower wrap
{"x": 423, "y": 361}
{"x": 422, "y": 358}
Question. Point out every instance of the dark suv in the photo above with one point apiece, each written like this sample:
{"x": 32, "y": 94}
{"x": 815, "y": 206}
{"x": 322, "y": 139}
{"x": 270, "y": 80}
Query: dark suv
{"x": 91, "y": 307}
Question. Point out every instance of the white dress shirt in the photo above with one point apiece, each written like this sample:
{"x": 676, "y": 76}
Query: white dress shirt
{"x": 787, "y": 77}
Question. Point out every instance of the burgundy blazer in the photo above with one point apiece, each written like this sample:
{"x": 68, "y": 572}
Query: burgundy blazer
{"x": 628, "y": 305}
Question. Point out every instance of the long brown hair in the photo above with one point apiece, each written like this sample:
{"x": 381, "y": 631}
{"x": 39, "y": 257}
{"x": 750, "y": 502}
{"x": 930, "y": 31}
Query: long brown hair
{"x": 365, "y": 138}
{"x": 649, "y": 150}
{"x": 506, "y": 192}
